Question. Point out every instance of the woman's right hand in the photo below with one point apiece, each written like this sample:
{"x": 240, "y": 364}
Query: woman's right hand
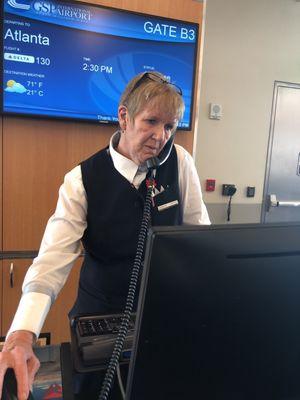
{"x": 17, "y": 354}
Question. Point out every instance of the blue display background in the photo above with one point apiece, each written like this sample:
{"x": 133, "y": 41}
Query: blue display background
{"x": 103, "y": 20}
{"x": 65, "y": 89}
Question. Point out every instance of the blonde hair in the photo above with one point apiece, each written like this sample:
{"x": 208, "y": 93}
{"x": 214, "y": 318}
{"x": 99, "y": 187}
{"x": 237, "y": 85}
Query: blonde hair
{"x": 154, "y": 87}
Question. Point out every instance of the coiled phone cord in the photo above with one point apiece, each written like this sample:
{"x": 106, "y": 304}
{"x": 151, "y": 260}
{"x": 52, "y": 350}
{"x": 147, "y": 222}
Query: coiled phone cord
{"x": 113, "y": 363}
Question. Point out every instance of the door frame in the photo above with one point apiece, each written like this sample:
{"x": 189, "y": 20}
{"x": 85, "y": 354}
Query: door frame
{"x": 265, "y": 202}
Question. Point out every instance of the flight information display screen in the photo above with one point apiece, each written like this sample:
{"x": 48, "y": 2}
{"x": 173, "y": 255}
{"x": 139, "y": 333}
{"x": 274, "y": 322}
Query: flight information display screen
{"x": 64, "y": 59}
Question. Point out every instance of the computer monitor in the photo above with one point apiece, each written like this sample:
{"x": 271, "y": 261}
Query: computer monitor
{"x": 219, "y": 315}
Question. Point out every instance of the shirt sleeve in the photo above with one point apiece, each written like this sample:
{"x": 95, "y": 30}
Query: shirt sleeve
{"x": 59, "y": 248}
{"x": 193, "y": 208}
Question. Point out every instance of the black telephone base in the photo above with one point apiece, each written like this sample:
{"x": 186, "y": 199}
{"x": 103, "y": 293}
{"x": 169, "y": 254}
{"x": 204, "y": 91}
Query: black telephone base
{"x": 93, "y": 338}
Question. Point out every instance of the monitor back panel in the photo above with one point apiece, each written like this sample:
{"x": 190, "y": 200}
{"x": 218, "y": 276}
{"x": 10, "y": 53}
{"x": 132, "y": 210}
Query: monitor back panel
{"x": 219, "y": 315}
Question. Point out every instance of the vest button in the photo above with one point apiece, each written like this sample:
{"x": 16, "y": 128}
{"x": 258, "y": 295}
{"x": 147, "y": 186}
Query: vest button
{"x": 136, "y": 204}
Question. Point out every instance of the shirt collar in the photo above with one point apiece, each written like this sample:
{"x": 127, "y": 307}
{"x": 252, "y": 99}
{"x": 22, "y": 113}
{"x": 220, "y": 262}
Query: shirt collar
{"x": 123, "y": 165}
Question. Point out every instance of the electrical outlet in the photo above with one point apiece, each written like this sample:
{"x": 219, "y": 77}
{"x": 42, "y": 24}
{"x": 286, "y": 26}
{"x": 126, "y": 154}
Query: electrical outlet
{"x": 250, "y": 191}
{"x": 228, "y": 189}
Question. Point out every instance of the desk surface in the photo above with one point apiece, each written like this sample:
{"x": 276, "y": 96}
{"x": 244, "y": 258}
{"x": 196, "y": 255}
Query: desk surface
{"x": 91, "y": 380}
{"x": 48, "y": 381}
{"x": 56, "y": 376}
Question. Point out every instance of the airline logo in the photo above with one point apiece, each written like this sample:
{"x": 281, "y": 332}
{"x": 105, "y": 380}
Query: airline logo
{"x": 17, "y": 4}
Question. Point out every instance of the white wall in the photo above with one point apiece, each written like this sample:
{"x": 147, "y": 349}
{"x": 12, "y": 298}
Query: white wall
{"x": 248, "y": 44}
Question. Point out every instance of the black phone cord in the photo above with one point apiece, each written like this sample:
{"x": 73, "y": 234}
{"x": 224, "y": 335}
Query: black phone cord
{"x": 229, "y": 208}
{"x": 113, "y": 363}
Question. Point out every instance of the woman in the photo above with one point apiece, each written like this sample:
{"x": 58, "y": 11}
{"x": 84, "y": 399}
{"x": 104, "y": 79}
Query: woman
{"x": 100, "y": 204}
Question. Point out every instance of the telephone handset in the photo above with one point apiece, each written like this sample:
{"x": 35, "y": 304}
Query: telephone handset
{"x": 155, "y": 162}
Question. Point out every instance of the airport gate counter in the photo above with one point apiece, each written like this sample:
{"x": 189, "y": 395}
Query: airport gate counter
{"x": 226, "y": 326}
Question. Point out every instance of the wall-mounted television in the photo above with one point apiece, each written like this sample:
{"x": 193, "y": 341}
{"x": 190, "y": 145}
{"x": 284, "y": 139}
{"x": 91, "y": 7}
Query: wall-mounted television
{"x": 72, "y": 60}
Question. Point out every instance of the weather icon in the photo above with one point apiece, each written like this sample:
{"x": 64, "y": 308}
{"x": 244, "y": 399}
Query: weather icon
{"x": 14, "y": 87}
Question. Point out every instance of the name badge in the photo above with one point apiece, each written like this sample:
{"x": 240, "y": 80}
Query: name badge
{"x": 167, "y": 205}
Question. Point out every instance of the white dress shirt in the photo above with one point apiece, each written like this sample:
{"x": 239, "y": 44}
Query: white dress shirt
{"x": 61, "y": 243}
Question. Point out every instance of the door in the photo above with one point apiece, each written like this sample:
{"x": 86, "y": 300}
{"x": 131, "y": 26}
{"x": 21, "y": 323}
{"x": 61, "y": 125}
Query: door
{"x": 281, "y": 202}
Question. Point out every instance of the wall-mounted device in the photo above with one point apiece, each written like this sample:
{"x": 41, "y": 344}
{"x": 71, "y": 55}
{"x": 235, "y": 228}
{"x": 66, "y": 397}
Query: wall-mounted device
{"x": 72, "y": 60}
{"x": 228, "y": 189}
{"x": 210, "y": 185}
{"x": 215, "y": 111}
{"x": 250, "y": 191}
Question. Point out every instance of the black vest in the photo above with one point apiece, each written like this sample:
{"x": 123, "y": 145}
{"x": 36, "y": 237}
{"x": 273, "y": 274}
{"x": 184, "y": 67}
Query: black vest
{"x": 114, "y": 216}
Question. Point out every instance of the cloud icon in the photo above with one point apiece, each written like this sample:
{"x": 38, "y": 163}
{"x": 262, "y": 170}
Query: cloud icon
{"x": 14, "y": 87}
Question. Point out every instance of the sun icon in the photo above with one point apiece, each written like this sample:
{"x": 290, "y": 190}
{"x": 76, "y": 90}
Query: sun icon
{"x": 10, "y": 83}
{"x": 14, "y": 87}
